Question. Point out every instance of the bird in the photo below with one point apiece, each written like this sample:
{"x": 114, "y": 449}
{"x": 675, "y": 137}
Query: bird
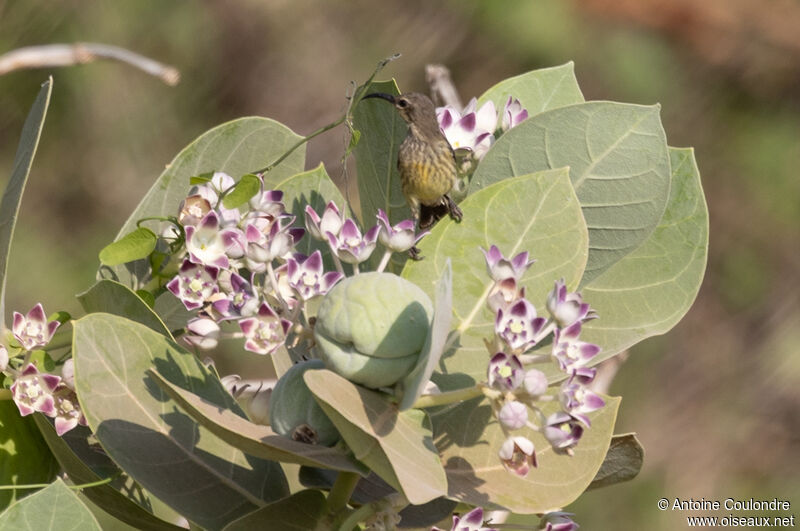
{"x": 426, "y": 161}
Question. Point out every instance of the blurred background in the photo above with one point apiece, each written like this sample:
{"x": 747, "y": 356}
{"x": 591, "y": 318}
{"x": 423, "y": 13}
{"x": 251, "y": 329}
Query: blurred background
{"x": 715, "y": 402}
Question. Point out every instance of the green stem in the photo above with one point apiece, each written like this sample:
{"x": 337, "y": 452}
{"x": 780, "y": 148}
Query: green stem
{"x": 393, "y": 501}
{"x": 75, "y": 487}
{"x": 450, "y": 397}
{"x": 341, "y": 491}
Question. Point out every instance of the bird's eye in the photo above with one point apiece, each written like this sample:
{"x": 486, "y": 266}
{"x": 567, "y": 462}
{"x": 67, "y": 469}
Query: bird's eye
{"x": 402, "y": 103}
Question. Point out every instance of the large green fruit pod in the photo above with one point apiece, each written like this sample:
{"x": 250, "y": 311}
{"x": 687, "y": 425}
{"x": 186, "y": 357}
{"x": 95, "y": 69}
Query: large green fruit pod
{"x": 371, "y": 328}
{"x": 294, "y": 413}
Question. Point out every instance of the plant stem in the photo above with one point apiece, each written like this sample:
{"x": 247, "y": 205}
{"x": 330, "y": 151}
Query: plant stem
{"x": 450, "y": 397}
{"x": 384, "y": 260}
{"x": 341, "y": 491}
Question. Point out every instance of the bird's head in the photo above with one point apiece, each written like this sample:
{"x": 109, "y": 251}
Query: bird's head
{"x": 415, "y": 108}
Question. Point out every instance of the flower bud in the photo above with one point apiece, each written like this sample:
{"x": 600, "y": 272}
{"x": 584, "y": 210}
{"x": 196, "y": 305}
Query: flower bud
{"x": 371, "y": 328}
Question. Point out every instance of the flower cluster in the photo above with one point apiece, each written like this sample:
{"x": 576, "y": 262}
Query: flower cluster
{"x": 475, "y": 129}
{"x": 35, "y": 391}
{"x": 515, "y": 389}
{"x": 241, "y": 265}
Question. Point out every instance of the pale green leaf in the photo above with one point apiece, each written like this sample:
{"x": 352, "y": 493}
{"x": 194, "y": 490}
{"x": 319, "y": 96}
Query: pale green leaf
{"x": 382, "y": 132}
{"x": 236, "y": 148}
{"x": 650, "y": 290}
{"x": 414, "y": 383}
{"x": 123, "y": 498}
{"x": 618, "y": 162}
{"x": 12, "y": 195}
{"x": 147, "y": 435}
{"x": 538, "y": 90}
{"x": 24, "y": 457}
{"x": 255, "y": 439}
{"x": 469, "y": 440}
{"x": 107, "y": 296}
{"x": 244, "y": 190}
{"x": 395, "y": 445}
{"x": 622, "y": 463}
{"x": 135, "y": 245}
{"x": 538, "y": 213}
{"x": 54, "y": 508}
{"x": 304, "y": 511}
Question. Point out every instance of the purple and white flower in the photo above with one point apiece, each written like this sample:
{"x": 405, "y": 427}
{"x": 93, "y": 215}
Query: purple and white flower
{"x": 68, "y": 413}
{"x": 33, "y": 391}
{"x": 518, "y": 326}
{"x": 565, "y": 307}
{"x": 557, "y": 521}
{"x": 505, "y": 372}
{"x": 331, "y": 221}
{"x": 562, "y": 430}
{"x": 277, "y": 243}
{"x": 500, "y": 268}
{"x": 202, "y": 333}
{"x": 3, "y": 358}
{"x": 350, "y": 246}
{"x": 194, "y": 284}
{"x": 238, "y": 300}
{"x": 570, "y": 352}
{"x": 513, "y": 114}
{"x": 307, "y": 277}
{"x": 32, "y": 329}
{"x": 577, "y": 400}
{"x": 503, "y": 294}
{"x": 535, "y": 382}
{"x": 518, "y": 455}
{"x": 469, "y": 129}
{"x": 264, "y": 332}
{"x": 398, "y": 238}
{"x": 206, "y": 243}
{"x": 472, "y": 521}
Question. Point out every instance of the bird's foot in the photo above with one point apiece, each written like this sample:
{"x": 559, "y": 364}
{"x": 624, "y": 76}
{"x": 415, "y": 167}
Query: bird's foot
{"x": 453, "y": 210}
{"x": 415, "y": 254}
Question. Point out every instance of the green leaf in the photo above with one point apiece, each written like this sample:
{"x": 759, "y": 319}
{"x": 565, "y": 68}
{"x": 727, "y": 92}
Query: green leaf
{"x": 382, "y": 132}
{"x": 432, "y": 350}
{"x": 172, "y": 311}
{"x": 144, "y": 431}
{"x": 315, "y": 188}
{"x": 107, "y": 296}
{"x": 255, "y": 439}
{"x": 123, "y": 498}
{"x": 537, "y": 90}
{"x": 538, "y": 213}
{"x": 55, "y": 507}
{"x": 236, "y": 148}
{"x": 650, "y": 290}
{"x": 12, "y": 196}
{"x": 618, "y": 164}
{"x": 469, "y": 441}
{"x": 304, "y": 511}
{"x": 244, "y": 190}
{"x": 24, "y": 457}
{"x": 395, "y": 445}
{"x": 133, "y": 246}
{"x": 622, "y": 463}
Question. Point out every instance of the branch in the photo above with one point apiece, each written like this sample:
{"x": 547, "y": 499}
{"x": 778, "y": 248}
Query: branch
{"x": 606, "y": 372}
{"x": 51, "y": 55}
{"x": 443, "y": 90}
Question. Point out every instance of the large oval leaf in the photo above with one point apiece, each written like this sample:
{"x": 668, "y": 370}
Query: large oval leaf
{"x": 396, "y": 445}
{"x": 255, "y": 439}
{"x": 12, "y": 195}
{"x": 107, "y": 296}
{"x": 382, "y": 132}
{"x": 123, "y": 498}
{"x": 236, "y": 147}
{"x": 538, "y": 90}
{"x": 143, "y": 430}
{"x": 303, "y": 511}
{"x": 619, "y": 166}
{"x": 650, "y": 290}
{"x": 24, "y": 456}
{"x": 469, "y": 441}
{"x": 54, "y": 508}
{"x": 538, "y": 213}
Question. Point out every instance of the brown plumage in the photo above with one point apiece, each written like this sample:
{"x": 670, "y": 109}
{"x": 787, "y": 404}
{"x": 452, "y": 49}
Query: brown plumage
{"x": 426, "y": 161}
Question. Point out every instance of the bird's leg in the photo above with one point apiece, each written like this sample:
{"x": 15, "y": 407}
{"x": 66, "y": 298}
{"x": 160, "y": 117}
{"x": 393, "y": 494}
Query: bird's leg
{"x": 414, "y": 253}
{"x": 452, "y": 208}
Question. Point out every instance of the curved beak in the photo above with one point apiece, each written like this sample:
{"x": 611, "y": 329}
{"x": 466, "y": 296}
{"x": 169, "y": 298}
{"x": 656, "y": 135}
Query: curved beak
{"x": 382, "y": 95}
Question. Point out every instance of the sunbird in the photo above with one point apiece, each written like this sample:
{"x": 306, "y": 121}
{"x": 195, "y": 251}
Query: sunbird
{"x": 426, "y": 161}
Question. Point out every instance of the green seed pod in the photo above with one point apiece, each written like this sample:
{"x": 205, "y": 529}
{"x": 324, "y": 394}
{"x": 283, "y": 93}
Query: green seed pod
{"x": 294, "y": 413}
{"x": 371, "y": 328}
